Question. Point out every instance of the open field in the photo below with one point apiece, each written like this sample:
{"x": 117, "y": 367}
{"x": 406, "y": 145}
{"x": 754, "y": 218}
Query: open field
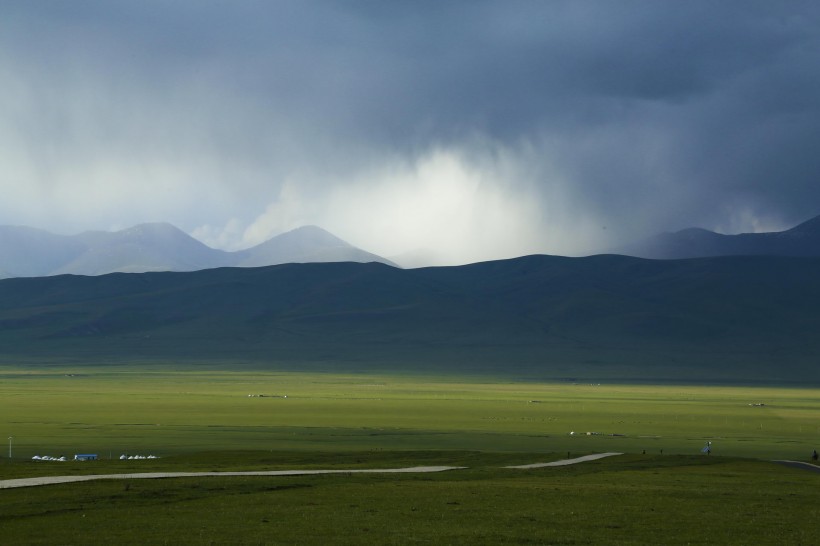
{"x": 111, "y": 411}
{"x": 631, "y": 499}
{"x": 205, "y": 421}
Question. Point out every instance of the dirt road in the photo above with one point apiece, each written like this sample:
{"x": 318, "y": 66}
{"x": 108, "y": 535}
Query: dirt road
{"x": 565, "y": 462}
{"x": 50, "y": 480}
{"x": 800, "y": 464}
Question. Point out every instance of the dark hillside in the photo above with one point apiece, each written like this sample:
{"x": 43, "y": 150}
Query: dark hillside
{"x": 608, "y": 317}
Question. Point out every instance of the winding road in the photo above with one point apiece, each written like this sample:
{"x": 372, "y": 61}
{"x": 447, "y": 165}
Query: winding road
{"x": 565, "y": 462}
{"x": 51, "y": 480}
{"x": 800, "y": 464}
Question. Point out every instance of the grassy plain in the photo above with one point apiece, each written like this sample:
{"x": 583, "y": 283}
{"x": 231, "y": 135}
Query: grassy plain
{"x": 110, "y": 411}
{"x": 205, "y": 420}
{"x": 631, "y": 499}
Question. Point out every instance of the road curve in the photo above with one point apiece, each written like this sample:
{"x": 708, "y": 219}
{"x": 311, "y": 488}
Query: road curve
{"x": 565, "y": 462}
{"x": 50, "y": 480}
{"x": 800, "y": 464}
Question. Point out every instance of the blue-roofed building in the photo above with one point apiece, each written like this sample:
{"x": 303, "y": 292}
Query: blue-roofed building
{"x": 86, "y": 457}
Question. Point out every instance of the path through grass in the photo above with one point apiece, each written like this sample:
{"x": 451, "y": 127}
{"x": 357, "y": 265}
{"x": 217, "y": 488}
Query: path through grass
{"x": 632, "y": 499}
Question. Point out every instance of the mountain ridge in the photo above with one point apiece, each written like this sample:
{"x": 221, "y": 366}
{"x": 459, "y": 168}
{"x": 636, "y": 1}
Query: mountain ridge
{"x": 800, "y": 240}
{"x": 31, "y": 252}
{"x": 730, "y": 319}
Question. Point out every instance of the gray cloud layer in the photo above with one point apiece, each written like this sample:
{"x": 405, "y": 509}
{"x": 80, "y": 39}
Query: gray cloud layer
{"x": 476, "y": 129}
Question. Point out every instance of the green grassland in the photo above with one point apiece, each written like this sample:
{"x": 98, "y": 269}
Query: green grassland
{"x": 662, "y": 491}
{"x": 633, "y": 499}
{"x": 125, "y": 410}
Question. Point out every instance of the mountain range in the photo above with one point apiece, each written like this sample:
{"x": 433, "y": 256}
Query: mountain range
{"x": 30, "y": 252}
{"x": 735, "y": 319}
{"x": 801, "y": 240}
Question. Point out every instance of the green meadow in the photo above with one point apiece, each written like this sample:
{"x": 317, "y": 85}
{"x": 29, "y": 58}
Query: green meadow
{"x": 633, "y": 499}
{"x": 111, "y": 411}
{"x": 662, "y": 491}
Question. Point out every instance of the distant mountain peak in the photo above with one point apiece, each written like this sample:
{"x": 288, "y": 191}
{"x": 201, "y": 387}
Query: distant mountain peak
{"x": 154, "y": 226}
{"x": 304, "y": 245}
{"x": 308, "y": 228}
{"x": 694, "y": 231}
{"x": 153, "y": 229}
{"x": 315, "y": 234}
{"x": 158, "y": 246}
{"x": 801, "y": 240}
{"x": 809, "y": 226}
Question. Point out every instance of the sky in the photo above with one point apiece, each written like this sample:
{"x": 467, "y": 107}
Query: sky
{"x": 461, "y": 130}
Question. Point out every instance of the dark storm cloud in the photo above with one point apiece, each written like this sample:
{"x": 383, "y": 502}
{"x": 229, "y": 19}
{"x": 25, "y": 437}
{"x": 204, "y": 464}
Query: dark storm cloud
{"x": 635, "y": 116}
